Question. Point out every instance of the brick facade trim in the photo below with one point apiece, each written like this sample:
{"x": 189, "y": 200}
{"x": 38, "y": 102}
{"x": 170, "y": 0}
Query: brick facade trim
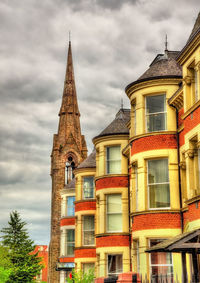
{"x": 90, "y": 252}
{"x": 112, "y": 241}
{"x": 85, "y": 205}
{"x": 67, "y": 221}
{"x": 154, "y": 142}
{"x": 156, "y": 221}
{"x": 112, "y": 182}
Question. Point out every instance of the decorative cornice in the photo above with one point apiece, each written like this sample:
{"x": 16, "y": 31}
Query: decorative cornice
{"x": 192, "y": 200}
{"x": 85, "y": 200}
{"x": 110, "y": 137}
{"x": 112, "y": 234}
{"x": 152, "y": 82}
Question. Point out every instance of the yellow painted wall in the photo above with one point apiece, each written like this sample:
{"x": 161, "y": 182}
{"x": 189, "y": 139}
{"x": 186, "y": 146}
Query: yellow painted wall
{"x": 141, "y": 160}
{"x": 152, "y": 88}
{"x": 103, "y": 252}
{"x": 144, "y": 236}
{"x": 101, "y": 153}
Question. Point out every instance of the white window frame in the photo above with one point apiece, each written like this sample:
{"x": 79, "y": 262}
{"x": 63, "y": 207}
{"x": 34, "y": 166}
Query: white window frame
{"x": 107, "y": 213}
{"x": 115, "y": 254}
{"x": 157, "y": 208}
{"x": 152, "y": 265}
{"x": 156, "y": 113}
{"x": 66, "y": 242}
{"x": 70, "y": 206}
{"x": 107, "y": 148}
{"x": 87, "y": 230}
{"x": 91, "y": 176}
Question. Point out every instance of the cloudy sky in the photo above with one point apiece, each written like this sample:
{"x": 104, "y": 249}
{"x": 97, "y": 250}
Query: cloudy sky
{"x": 113, "y": 42}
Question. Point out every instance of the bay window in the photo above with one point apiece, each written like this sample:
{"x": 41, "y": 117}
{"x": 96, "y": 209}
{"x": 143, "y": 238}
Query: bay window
{"x": 114, "y": 213}
{"x": 88, "y": 230}
{"x": 70, "y": 242}
{"x": 113, "y": 159}
{"x": 158, "y": 183}
{"x": 114, "y": 265}
{"x": 155, "y": 113}
{"x": 88, "y": 187}
{"x": 70, "y": 206}
{"x": 160, "y": 264}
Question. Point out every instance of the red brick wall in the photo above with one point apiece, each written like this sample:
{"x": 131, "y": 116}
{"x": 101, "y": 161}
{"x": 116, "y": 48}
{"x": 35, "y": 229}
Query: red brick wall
{"x": 192, "y": 214}
{"x": 85, "y": 252}
{"x": 153, "y": 142}
{"x": 190, "y": 122}
{"x": 66, "y": 259}
{"x": 112, "y": 241}
{"x": 43, "y": 253}
{"x": 112, "y": 182}
{"x": 156, "y": 221}
{"x": 67, "y": 221}
{"x": 86, "y": 205}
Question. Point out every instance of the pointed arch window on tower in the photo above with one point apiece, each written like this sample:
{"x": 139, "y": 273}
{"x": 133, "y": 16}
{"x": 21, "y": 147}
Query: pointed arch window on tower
{"x": 69, "y": 170}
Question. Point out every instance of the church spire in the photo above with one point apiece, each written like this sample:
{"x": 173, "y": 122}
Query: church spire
{"x": 69, "y": 100}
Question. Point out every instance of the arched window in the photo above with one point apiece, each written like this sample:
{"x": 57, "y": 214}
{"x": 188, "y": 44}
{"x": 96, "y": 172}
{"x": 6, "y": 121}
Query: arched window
{"x": 69, "y": 169}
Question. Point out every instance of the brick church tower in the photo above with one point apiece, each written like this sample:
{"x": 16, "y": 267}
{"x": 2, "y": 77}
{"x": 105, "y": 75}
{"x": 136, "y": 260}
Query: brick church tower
{"x": 69, "y": 150}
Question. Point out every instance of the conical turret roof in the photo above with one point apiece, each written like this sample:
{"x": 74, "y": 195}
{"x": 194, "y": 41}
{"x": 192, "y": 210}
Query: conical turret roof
{"x": 118, "y": 125}
{"x": 163, "y": 66}
{"x": 89, "y": 162}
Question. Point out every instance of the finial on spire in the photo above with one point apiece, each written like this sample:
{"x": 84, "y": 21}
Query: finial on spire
{"x": 122, "y": 104}
{"x": 166, "y": 43}
{"x": 69, "y": 36}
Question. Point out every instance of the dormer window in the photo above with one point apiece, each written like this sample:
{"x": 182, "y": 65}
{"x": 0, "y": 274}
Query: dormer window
{"x": 155, "y": 113}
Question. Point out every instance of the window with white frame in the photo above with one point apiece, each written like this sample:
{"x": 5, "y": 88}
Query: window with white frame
{"x": 115, "y": 266}
{"x": 158, "y": 183}
{"x": 88, "y": 230}
{"x": 160, "y": 264}
{"x": 113, "y": 159}
{"x": 114, "y": 213}
{"x": 70, "y": 242}
{"x": 70, "y": 206}
{"x": 155, "y": 113}
{"x": 88, "y": 187}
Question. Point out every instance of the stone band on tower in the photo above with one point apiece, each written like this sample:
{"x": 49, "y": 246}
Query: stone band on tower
{"x": 69, "y": 150}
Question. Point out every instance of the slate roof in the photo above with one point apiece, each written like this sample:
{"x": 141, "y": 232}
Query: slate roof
{"x": 89, "y": 162}
{"x": 195, "y": 31}
{"x": 196, "y": 28}
{"x": 118, "y": 125}
{"x": 163, "y": 66}
{"x": 71, "y": 185}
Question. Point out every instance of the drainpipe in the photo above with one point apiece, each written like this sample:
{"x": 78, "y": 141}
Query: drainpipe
{"x": 129, "y": 220}
{"x": 183, "y": 254}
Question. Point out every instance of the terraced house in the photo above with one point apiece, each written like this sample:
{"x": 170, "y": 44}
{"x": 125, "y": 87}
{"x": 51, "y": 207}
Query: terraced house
{"x": 132, "y": 206}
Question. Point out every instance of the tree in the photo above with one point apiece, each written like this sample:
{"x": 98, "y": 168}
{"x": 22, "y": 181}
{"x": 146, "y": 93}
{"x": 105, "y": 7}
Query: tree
{"x": 25, "y": 264}
{"x": 5, "y": 264}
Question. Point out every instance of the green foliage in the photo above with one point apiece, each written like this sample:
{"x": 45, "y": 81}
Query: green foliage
{"x": 4, "y": 274}
{"x": 5, "y": 264}
{"x": 80, "y": 277}
{"x": 24, "y": 264}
